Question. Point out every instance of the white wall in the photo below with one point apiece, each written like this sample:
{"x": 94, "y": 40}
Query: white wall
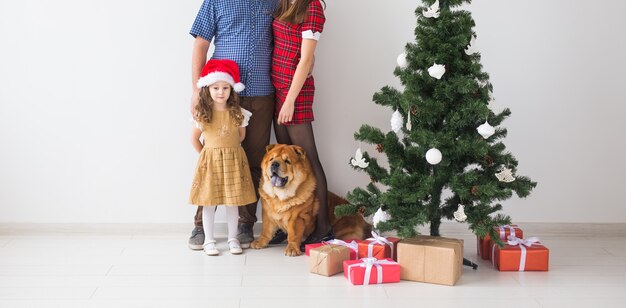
{"x": 94, "y": 103}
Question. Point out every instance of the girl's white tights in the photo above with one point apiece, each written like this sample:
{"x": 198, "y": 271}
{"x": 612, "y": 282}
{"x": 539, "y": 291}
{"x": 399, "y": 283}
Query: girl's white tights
{"x": 208, "y": 221}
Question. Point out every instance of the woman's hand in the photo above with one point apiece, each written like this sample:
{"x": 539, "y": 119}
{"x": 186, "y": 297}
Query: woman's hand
{"x": 305, "y": 66}
{"x": 286, "y": 112}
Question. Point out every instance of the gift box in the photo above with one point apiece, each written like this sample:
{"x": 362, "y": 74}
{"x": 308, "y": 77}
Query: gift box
{"x": 378, "y": 247}
{"x": 327, "y": 260}
{"x": 371, "y": 271}
{"x": 521, "y": 255}
{"x": 352, "y": 245}
{"x": 308, "y": 247}
{"x": 483, "y": 248}
{"x": 431, "y": 259}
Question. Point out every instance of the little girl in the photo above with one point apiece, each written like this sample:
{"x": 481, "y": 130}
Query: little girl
{"x": 222, "y": 174}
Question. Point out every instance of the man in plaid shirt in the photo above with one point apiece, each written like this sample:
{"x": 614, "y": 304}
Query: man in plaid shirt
{"x": 241, "y": 30}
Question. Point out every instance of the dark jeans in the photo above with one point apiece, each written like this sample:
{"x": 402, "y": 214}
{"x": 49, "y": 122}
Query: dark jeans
{"x": 257, "y": 138}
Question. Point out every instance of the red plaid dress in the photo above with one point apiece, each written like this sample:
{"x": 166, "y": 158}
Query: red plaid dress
{"x": 286, "y": 56}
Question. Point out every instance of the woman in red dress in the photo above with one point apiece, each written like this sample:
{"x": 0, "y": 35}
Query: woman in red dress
{"x": 297, "y": 27}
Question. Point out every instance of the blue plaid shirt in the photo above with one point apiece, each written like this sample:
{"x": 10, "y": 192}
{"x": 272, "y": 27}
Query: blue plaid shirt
{"x": 242, "y": 30}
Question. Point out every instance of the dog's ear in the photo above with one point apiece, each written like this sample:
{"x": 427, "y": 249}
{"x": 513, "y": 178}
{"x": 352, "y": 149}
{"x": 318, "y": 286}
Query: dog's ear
{"x": 299, "y": 151}
{"x": 269, "y": 147}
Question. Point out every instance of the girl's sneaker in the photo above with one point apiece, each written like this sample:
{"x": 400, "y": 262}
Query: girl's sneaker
{"x": 210, "y": 249}
{"x": 234, "y": 246}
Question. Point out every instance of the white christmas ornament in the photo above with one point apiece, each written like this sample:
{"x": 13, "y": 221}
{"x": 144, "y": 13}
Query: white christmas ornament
{"x": 472, "y": 167}
{"x": 433, "y": 10}
{"x": 459, "y": 215}
{"x": 436, "y": 71}
{"x": 470, "y": 50}
{"x": 408, "y": 122}
{"x": 358, "y": 160}
{"x": 486, "y": 130}
{"x": 505, "y": 175}
{"x": 433, "y": 156}
{"x": 402, "y": 63}
{"x": 380, "y": 216}
{"x": 396, "y": 121}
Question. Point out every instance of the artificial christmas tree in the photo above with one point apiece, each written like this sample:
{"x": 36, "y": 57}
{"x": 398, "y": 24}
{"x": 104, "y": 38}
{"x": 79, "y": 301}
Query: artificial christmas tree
{"x": 447, "y": 160}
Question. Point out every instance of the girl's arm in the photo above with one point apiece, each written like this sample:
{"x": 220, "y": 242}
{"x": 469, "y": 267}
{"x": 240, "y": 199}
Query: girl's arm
{"x": 302, "y": 71}
{"x": 242, "y": 134}
{"x": 195, "y": 139}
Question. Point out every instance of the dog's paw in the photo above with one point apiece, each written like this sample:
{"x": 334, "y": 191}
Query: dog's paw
{"x": 293, "y": 250}
{"x": 258, "y": 244}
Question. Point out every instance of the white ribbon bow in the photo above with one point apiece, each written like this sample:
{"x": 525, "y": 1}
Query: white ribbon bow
{"x": 368, "y": 263}
{"x": 377, "y": 239}
{"x": 352, "y": 245}
{"x": 512, "y": 240}
{"x": 523, "y": 243}
{"x": 503, "y": 231}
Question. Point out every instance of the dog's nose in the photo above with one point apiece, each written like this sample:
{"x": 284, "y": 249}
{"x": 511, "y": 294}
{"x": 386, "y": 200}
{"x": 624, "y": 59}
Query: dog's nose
{"x": 275, "y": 165}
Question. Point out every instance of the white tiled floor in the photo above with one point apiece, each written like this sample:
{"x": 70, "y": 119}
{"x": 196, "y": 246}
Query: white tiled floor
{"x": 151, "y": 266}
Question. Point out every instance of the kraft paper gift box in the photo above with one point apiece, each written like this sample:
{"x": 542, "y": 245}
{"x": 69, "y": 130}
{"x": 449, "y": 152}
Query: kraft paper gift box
{"x": 371, "y": 271}
{"x": 308, "y": 247}
{"x": 378, "y": 247}
{"x": 328, "y": 260}
{"x": 483, "y": 248}
{"x": 431, "y": 259}
{"x": 521, "y": 255}
{"x": 352, "y": 245}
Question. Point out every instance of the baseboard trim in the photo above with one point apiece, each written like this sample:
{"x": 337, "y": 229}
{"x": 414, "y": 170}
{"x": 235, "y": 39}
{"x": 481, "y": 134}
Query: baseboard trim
{"x": 447, "y": 229}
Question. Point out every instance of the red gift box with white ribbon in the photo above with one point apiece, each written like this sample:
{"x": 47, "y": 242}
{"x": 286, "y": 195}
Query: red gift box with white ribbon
{"x": 520, "y": 255}
{"x": 483, "y": 247}
{"x": 371, "y": 271}
{"x": 378, "y": 247}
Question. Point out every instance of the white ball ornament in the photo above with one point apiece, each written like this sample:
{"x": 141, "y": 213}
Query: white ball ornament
{"x": 433, "y": 156}
{"x": 402, "y": 63}
{"x": 486, "y": 130}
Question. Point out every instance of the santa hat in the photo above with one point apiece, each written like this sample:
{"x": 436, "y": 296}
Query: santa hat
{"x": 221, "y": 70}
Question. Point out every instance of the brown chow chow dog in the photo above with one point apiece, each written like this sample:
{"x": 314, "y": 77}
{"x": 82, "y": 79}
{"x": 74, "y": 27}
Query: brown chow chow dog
{"x": 287, "y": 190}
{"x": 349, "y": 227}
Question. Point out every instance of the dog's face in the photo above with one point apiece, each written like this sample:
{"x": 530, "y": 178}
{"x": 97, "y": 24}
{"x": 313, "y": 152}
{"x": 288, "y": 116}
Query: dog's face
{"x": 285, "y": 167}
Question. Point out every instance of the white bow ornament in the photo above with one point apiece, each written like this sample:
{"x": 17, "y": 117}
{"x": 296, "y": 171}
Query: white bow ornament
{"x": 359, "y": 160}
{"x": 433, "y": 10}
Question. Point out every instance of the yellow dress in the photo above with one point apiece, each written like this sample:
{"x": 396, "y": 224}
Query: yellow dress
{"x": 222, "y": 174}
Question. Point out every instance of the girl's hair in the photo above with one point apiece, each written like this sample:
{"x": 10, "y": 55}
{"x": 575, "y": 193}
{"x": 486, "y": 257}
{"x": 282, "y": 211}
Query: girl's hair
{"x": 293, "y": 13}
{"x": 204, "y": 108}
